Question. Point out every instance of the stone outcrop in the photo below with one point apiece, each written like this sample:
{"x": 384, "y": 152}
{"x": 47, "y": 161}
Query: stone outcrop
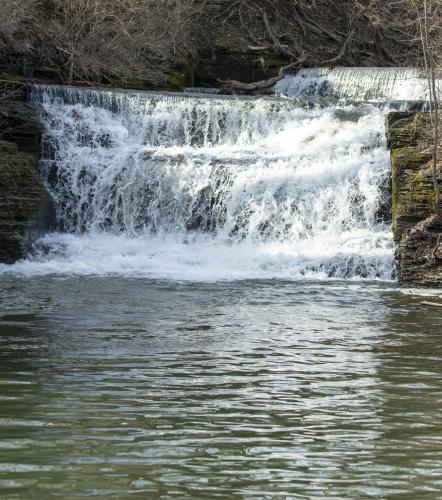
{"x": 232, "y": 58}
{"x": 421, "y": 254}
{"x": 416, "y": 230}
{"x": 24, "y": 203}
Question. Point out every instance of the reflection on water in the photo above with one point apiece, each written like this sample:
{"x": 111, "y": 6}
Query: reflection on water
{"x": 123, "y": 388}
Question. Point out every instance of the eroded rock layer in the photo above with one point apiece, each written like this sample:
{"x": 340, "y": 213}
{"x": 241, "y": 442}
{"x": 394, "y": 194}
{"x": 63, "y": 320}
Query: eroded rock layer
{"x": 417, "y": 231}
{"x": 24, "y": 202}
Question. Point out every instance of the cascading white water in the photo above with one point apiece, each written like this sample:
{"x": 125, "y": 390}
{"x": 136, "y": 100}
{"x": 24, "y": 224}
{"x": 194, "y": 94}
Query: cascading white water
{"x": 378, "y": 84}
{"x": 207, "y": 187}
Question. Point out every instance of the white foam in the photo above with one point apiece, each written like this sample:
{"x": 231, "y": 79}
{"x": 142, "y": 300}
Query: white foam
{"x": 203, "y": 258}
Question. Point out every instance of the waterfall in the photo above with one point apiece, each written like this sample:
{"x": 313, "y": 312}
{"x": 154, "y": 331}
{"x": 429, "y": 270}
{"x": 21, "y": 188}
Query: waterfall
{"x": 200, "y": 186}
{"x": 378, "y": 84}
{"x": 208, "y": 187}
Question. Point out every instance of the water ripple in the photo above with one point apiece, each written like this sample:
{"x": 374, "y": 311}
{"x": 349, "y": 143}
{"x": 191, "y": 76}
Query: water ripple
{"x": 126, "y": 388}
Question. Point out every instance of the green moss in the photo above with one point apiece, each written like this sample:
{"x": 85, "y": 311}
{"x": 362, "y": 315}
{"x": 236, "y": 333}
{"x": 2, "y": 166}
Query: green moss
{"x": 409, "y": 157}
{"x": 422, "y": 196}
{"x": 412, "y": 188}
{"x": 405, "y": 130}
{"x": 175, "y": 80}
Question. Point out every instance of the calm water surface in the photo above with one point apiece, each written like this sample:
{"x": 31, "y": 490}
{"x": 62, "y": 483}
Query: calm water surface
{"x": 126, "y": 388}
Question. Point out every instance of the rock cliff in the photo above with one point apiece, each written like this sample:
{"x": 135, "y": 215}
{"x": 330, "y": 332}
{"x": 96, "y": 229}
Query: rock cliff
{"x": 24, "y": 202}
{"x": 416, "y": 230}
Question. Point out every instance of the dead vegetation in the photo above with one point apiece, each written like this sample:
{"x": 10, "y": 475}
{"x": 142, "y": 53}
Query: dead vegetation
{"x": 323, "y": 33}
{"x": 96, "y": 41}
{"x": 144, "y": 42}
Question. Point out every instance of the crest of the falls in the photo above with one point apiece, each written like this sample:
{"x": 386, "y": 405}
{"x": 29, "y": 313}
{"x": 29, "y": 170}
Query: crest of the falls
{"x": 207, "y": 187}
{"x": 377, "y": 84}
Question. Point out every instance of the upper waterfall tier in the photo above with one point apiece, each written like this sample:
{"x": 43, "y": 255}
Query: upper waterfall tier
{"x": 172, "y": 119}
{"x": 378, "y": 84}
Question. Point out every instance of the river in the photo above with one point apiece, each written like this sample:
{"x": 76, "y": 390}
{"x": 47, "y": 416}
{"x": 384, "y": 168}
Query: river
{"x": 130, "y": 388}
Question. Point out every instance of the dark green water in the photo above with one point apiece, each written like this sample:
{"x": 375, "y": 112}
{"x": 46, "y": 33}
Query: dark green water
{"x": 120, "y": 388}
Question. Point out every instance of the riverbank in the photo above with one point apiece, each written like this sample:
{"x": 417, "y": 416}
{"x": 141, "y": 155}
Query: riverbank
{"x": 415, "y": 227}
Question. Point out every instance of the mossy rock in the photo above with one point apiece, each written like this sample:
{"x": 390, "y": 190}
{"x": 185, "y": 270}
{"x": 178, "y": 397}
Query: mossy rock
{"x": 409, "y": 137}
{"x": 415, "y": 227}
{"x": 7, "y": 149}
{"x": 137, "y": 84}
{"x": 412, "y": 189}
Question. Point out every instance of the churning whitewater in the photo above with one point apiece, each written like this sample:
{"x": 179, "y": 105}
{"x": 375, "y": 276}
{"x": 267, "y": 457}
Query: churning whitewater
{"x": 195, "y": 187}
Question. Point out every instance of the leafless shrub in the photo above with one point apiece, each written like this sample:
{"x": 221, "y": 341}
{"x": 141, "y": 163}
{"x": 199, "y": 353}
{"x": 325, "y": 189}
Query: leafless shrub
{"x": 10, "y": 90}
{"x": 119, "y": 41}
{"x": 15, "y": 18}
{"x": 101, "y": 40}
{"x": 321, "y": 32}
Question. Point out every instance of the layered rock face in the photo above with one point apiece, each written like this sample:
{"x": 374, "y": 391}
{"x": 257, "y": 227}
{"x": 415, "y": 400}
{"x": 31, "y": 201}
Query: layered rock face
{"x": 24, "y": 203}
{"x": 417, "y": 231}
{"x": 421, "y": 254}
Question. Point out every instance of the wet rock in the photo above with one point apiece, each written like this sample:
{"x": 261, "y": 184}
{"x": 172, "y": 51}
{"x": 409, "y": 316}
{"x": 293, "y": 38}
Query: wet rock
{"x": 25, "y": 211}
{"x": 421, "y": 254}
{"x": 240, "y": 64}
{"x": 20, "y": 125}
